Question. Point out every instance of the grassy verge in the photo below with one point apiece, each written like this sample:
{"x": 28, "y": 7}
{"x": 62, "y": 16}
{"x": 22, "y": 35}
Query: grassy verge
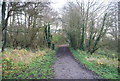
{"x": 23, "y": 64}
{"x": 100, "y": 64}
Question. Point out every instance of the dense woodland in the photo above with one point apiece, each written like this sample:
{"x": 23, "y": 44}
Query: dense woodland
{"x": 28, "y": 22}
{"x": 90, "y": 27}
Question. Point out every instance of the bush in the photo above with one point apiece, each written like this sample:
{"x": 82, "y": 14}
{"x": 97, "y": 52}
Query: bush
{"x": 106, "y": 52}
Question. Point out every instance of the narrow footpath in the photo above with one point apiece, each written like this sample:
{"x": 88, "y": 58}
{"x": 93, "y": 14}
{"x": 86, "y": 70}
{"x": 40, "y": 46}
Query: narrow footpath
{"x": 66, "y": 67}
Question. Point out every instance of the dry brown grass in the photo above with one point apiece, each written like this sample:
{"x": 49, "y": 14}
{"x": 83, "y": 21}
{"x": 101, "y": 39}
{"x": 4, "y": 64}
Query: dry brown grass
{"x": 22, "y": 55}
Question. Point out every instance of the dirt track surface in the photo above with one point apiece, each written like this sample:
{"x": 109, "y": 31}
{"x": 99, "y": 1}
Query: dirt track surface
{"x": 66, "y": 67}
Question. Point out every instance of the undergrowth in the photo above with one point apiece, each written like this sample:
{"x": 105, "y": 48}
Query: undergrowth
{"x": 100, "y": 64}
{"x": 23, "y": 64}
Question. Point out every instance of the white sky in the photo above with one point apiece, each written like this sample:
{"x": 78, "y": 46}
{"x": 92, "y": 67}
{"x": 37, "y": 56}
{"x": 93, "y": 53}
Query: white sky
{"x": 58, "y": 4}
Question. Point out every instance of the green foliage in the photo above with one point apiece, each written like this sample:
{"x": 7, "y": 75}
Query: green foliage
{"x": 110, "y": 44}
{"x": 53, "y": 46}
{"x": 39, "y": 68}
{"x": 26, "y": 37}
{"x": 107, "y": 53}
{"x": 58, "y": 38}
{"x": 42, "y": 67}
{"x": 48, "y": 36}
{"x": 104, "y": 70}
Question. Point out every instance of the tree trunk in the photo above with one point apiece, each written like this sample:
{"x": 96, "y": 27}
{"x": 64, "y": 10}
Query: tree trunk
{"x": 3, "y": 26}
{"x": 82, "y": 39}
{"x": 99, "y": 36}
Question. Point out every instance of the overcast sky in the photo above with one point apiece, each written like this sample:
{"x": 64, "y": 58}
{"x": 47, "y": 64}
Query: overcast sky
{"x": 58, "y": 4}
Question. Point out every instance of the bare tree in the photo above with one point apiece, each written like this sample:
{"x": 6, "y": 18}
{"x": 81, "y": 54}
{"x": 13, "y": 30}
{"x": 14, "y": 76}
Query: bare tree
{"x": 81, "y": 25}
{"x": 113, "y": 20}
{"x": 5, "y": 20}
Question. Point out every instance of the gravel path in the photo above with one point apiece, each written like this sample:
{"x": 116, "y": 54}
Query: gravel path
{"x": 66, "y": 67}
